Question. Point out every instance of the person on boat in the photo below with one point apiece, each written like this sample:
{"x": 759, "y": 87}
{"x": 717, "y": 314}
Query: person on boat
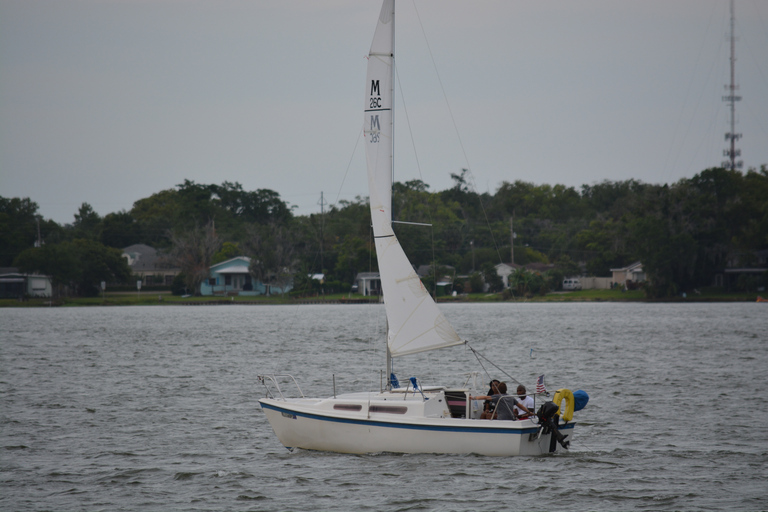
{"x": 499, "y": 407}
{"x": 527, "y": 403}
{"x": 502, "y": 405}
{"x": 487, "y": 408}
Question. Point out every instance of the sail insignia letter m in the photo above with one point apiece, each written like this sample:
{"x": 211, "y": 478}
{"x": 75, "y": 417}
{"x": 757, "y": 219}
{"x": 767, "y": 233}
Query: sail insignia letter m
{"x": 375, "y": 128}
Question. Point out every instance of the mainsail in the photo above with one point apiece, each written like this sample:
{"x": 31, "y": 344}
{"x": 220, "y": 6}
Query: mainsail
{"x": 415, "y": 323}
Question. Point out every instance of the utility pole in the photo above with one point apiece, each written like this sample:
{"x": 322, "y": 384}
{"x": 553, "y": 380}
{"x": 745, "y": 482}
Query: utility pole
{"x": 512, "y": 236}
{"x": 732, "y": 98}
{"x": 322, "y": 235}
{"x": 39, "y": 240}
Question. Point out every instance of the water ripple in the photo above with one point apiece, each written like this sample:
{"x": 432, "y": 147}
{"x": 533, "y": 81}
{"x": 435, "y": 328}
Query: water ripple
{"x": 155, "y": 408}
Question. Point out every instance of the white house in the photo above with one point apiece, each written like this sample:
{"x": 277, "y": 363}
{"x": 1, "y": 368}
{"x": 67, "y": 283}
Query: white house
{"x": 504, "y": 270}
{"x": 14, "y": 284}
{"x": 367, "y": 283}
{"x": 633, "y": 272}
{"x": 233, "y": 277}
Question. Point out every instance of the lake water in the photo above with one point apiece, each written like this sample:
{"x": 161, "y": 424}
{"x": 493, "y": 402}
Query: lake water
{"x": 155, "y": 408}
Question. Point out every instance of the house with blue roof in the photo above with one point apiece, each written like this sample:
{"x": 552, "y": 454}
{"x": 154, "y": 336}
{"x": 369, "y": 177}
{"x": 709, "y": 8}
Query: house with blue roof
{"x": 233, "y": 278}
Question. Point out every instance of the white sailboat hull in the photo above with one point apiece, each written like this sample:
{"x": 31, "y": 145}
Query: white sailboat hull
{"x": 314, "y": 424}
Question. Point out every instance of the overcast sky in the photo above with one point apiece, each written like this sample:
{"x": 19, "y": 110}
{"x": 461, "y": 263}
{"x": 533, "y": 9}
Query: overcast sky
{"x": 110, "y": 101}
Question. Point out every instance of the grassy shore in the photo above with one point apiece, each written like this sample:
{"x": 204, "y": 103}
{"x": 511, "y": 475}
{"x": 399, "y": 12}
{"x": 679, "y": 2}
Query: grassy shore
{"x": 165, "y": 299}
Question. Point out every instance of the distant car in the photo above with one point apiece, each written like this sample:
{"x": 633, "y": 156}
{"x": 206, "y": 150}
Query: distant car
{"x": 571, "y": 284}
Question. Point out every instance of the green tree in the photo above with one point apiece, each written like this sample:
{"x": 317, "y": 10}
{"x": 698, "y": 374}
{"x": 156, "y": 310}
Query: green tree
{"x": 156, "y": 217}
{"x": 87, "y": 223}
{"x": 95, "y": 263}
{"x": 475, "y": 283}
{"x": 192, "y": 251}
{"x": 228, "y": 251}
{"x": 120, "y": 230}
{"x": 567, "y": 266}
{"x": 79, "y": 264}
{"x": 604, "y": 245}
{"x": 55, "y": 260}
{"x": 525, "y": 283}
{"x": 492, "y": 278}
{"x": 18, "y": 227}
{"x": 273, "y": 251}
{"x": 355, "y": 255}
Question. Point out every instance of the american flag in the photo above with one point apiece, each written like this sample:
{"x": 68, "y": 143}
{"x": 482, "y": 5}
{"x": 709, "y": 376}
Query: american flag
{"x": 540, "y": 387}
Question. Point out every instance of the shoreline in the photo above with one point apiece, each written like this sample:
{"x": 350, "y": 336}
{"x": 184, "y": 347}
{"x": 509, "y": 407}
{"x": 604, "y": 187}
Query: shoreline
{"x": 166, "y": 299}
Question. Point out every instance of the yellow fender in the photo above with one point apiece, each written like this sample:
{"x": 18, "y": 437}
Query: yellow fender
{"x": 567, "y": 395}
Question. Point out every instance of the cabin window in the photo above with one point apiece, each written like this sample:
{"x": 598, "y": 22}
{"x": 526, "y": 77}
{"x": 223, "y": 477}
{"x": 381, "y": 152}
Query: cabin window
{"x": 388, "y": 409}
{"x": 348, "y": 407}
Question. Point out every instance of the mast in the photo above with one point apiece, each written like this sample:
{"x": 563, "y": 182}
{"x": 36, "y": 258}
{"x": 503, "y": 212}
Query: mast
{"x": 732, "y": 98}
{"x": 391, "y": 169}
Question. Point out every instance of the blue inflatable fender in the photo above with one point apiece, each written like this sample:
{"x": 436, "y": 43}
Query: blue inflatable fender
{"x": 580, "y": 399}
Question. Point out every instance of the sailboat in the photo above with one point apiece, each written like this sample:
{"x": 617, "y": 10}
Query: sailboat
{"x": 412, "y": 418}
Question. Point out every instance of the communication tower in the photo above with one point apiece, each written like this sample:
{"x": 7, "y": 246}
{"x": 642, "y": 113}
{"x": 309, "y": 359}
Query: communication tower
{"x": 732, "y": 98}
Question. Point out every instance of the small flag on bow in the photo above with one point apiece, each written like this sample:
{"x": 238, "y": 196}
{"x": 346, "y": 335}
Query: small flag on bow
{"x": 540, "y": 387}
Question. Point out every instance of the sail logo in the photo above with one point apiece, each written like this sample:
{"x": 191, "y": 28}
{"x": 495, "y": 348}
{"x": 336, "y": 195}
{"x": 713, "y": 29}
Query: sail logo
{"x": 375, "y": 94}
{"x": 375, "y": 128}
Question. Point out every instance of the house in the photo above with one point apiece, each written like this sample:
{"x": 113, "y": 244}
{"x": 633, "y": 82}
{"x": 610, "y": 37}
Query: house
{"x": 504, "y": 270}
{"x": 737, "y": 272}
{"x": 14, "y": 284}
{"x": 367, "y": 283}
{"x": 633, "y": 272}
{"x": 151, "y": 267}
{"x": 233, "y": 277}
{"x": 443, "y": 283}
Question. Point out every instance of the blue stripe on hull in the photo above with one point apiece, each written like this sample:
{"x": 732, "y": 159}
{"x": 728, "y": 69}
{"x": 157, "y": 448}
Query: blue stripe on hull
{"x": 410, "y": 426}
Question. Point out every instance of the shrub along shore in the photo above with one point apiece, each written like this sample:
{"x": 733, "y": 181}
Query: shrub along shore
{"x": 166, "y": 299}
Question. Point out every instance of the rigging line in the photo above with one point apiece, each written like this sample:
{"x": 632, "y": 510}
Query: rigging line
{"x": 687, "y": 94}
{"x": 715, "y": 60}
{"x": 760, "y": 17}
{"x": 487, "y": 374}
{"x": 413, "y": 144}
{"x": 746, "y": 44}
{"x": 349, "y": 164}
{"x": 478, "y": 355}
{"x": 750, "y": 113}
{"x": 440, "y": 81}
{"x": 408, "y": 122}
{"x": 456, "y": 129}
{"x": 707, "y": 139}
{"x": 418, "y": 166}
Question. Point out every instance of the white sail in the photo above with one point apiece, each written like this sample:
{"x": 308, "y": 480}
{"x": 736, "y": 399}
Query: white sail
{"x": 415, "y": 323}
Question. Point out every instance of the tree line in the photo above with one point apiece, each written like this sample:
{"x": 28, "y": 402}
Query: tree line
{"x": 684, "y": 233}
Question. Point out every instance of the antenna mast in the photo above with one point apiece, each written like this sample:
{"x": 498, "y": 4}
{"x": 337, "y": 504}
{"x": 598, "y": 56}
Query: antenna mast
{"x": 732, "y": 98}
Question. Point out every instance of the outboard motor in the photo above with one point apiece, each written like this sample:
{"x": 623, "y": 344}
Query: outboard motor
{"x": 549, "y": 419}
